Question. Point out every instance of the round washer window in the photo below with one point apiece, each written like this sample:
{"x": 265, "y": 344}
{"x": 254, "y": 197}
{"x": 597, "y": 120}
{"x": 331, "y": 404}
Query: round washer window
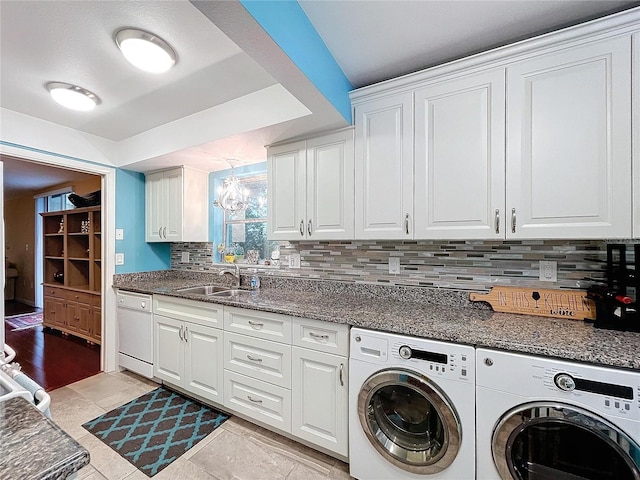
{"x": 560, "y": 441}
{"x": 409, "y": 421}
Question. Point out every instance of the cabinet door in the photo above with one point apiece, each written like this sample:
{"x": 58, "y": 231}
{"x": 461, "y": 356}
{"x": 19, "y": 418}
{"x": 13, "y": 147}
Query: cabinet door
{"x": 384, "y": 168}
{"x": 203, "y": 361}
{"x": 154, "y": 207}
{"x": 168, "y": 362}
{"x": 173, "y": 194}
{"x": 459, "y": 158}
{"x": 568, "y": 143}
{"x": 330, "y": 187}
{"x": 85, "y": 319}
{"x": 286, "y": 215}
{"x": 54, "y": 312}
{"x": 319, "y": 401}
{"x": 72, "y": 317}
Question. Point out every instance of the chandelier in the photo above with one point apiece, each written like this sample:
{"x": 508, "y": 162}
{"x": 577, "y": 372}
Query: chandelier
{"x": 232, "y": 198}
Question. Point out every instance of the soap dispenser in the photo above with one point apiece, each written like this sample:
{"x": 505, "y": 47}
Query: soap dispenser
{"x": 255, "y": 280}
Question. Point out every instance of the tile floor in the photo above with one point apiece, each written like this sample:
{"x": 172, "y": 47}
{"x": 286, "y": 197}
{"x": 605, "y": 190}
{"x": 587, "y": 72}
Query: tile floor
{"x": 237, "y": 450}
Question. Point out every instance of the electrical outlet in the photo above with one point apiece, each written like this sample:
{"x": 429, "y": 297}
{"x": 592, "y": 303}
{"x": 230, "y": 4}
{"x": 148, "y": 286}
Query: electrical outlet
{"x": 119, "y": 258}
{"x": 119, "y": 233}
{"x": 185, "y": 257}
{"x": 394, "y": 265}
{"x": 548, "y": 271}
{"x": 294, "y": 260}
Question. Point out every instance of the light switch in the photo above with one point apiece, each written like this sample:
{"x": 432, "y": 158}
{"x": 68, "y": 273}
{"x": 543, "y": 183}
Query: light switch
{"x": 294, "y": 260}
{"x": 119, "y": 258}
{"x": 119, "y": 233}
{"x": 185, "y": 257}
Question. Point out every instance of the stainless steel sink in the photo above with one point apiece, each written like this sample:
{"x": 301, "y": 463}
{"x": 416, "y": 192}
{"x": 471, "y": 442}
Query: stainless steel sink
{"x": 205, "y": 289}
{"x": 230, "y": 293}
{"x": 214, "y": 290}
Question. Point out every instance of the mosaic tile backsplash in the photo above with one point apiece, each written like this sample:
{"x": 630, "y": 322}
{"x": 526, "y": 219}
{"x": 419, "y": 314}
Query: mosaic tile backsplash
{"x": 460, "y": 265}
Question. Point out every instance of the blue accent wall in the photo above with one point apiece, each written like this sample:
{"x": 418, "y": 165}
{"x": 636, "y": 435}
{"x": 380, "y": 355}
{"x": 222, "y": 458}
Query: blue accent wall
{"x": 139, "y": 256}
{"x": 288, "y": 25}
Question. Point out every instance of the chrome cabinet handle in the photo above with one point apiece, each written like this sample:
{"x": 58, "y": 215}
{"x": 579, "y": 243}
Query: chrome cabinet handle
{"x": 186, "y": 334}
{"x": 406, "y": 224}
{"x": 160, "y": 232}
{"x": 256, "y": 324}
{"x": 497, "y": 220}
{"x": 254, "y": 359}
{"x": 254, "y": 400}
{"x": 309, "y": 227}
{"x": 180, "y": 333}
{"x": 302, "y": 228}
{"x": 341, "y": 378}
{"x": 318, "y": 336}
{"x": 513, "y": 220}
{"x": 164, "y": 232}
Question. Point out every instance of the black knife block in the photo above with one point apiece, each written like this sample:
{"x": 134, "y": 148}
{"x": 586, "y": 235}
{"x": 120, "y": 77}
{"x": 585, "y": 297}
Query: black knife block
{"x": 622, "y": 282}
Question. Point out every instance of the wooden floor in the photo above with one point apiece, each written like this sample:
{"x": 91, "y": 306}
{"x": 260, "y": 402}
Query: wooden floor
{"x": 48, "y": 357}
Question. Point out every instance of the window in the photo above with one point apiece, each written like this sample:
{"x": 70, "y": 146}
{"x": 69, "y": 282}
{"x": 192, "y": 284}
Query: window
{"x": 247, "y": 230}
{"x": 58, "y": 201}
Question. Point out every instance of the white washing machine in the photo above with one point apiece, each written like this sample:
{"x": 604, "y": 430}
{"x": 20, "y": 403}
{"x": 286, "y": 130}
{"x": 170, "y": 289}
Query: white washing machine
{"x": 546, "y": 419}
{"x": 411, "y": 408}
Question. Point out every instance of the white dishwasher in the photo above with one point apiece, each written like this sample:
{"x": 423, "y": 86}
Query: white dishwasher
{"x": 135, "y": 332}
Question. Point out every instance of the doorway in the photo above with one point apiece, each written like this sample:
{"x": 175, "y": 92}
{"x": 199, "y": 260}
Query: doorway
{"x": 49, "y": 356}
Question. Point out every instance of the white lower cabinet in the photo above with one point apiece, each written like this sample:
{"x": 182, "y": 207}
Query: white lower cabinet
{"x": 319, "y": 399}
{"x": 189, "y": 355}
{"x": 283, "y": 372}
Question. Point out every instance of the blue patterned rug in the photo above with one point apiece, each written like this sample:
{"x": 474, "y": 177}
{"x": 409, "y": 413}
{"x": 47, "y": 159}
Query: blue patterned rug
{"x": 155, "y": 429}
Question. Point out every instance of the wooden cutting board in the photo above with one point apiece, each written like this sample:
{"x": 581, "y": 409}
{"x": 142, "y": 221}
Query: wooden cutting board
{"x": 572, "y": 304}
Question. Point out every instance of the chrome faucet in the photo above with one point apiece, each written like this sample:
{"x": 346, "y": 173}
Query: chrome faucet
{"x": 235, "y": 274}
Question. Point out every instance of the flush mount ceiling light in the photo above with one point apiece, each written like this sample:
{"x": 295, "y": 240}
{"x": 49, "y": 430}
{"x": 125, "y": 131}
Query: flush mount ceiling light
{"x": 232, "y": 198}
{"x": 145, "y": 50}
{"x": 72, "y": 96}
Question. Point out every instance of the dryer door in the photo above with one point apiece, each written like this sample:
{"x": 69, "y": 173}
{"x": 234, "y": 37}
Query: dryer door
{"x": 409, "y": 420}
{"x": 543, "y": 440}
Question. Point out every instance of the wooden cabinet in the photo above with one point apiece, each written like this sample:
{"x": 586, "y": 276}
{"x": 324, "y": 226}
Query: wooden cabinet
{"x": 187, "y": 346}
{"x": 176, "y": 205}
{"x": 311, "y": 188}
{"x": 384, "y": 168}
{"x": 569, "y": 143}
{"x": 459, "y": 158}
{"x": 72, "y": 270}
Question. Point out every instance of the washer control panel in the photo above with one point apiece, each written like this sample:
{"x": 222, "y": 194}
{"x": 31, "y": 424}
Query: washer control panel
{"x": 434, "y": 361}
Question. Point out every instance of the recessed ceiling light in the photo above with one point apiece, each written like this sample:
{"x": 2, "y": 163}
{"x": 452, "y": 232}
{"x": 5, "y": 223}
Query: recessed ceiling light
{"x": 72, "y": 96}
{"x": 145, "y": 50}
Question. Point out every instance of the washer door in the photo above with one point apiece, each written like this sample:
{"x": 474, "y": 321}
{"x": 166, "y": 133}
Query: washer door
{"x": 562, "y": 442}
{"x": 410, "y": 421}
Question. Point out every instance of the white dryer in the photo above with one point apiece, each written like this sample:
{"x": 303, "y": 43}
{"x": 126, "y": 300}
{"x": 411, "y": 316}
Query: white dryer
{"x": 546, "y": 419}
{"x": 411, "y": 408}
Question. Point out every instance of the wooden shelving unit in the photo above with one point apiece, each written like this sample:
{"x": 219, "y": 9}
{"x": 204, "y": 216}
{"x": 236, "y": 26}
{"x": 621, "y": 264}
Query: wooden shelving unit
{"x": 73, "y": 271}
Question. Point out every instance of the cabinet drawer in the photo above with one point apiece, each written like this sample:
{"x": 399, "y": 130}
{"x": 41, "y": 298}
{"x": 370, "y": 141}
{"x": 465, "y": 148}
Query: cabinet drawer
{"x": 80, "y": 297}
{"x": 270, "y": 326}
{"x": 321, "y": 336}
{"x": 256, "y": 358}
{"x": 262, "y": 401}
{"x": 202, "y": 313}
{"x": 55, "y": 292}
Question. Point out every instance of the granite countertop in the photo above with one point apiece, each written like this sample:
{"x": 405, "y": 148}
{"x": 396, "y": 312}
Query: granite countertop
{"x": 33, "y": 447}
{"x": 447, "y": 315}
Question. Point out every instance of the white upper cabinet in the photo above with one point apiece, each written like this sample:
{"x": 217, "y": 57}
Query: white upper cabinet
{"x": 384, "y": 168}
{"x": 311, "y": 188}
{"x": 569, "y": 143}
{"x": 459, "y": 158}
{"x": 177, "y": 205}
